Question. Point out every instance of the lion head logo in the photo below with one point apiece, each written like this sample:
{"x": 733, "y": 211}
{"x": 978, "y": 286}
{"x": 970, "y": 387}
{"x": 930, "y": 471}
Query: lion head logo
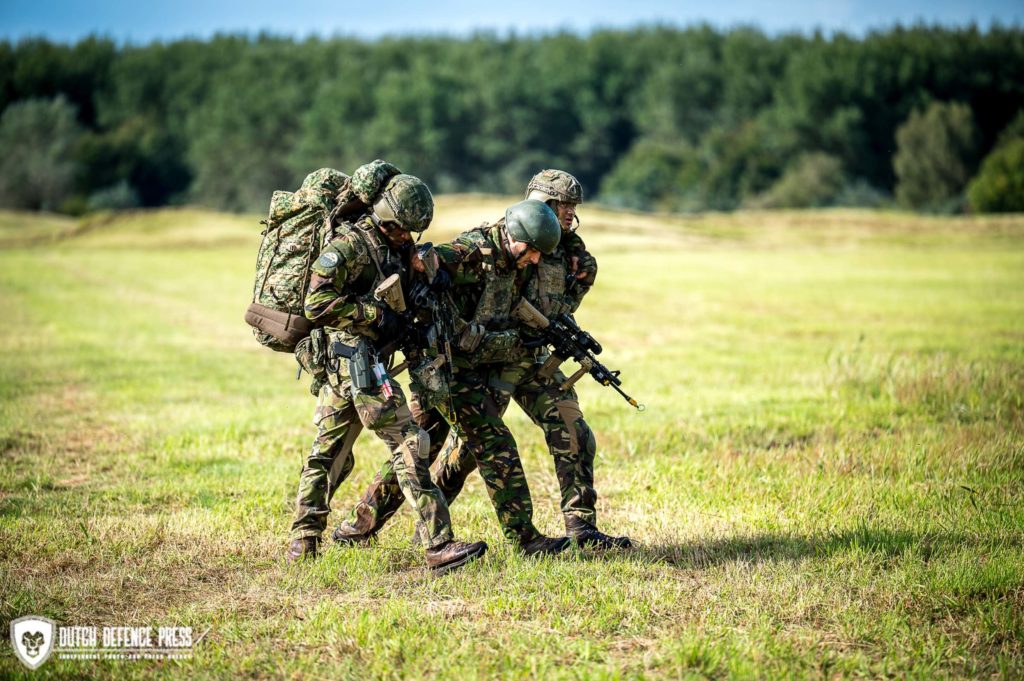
{"x": 33, "y": 641}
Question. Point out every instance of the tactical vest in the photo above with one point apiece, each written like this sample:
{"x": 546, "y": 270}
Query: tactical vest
{"x": 501, "y": 345}
{"x": 547, "y": 291}
{"x": 375, "y": 255}
{"x": 385, "y": 261}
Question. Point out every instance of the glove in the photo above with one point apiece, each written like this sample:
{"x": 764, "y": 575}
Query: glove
{"x": 587, "y": 264}
{"x": 389, "y": 324}
{"x": 442, "y": 281}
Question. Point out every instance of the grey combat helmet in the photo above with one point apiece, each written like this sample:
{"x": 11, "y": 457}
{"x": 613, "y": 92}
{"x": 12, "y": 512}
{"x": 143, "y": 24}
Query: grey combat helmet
{"x": 555, "y": 185}
{"x": 406, "y": 202}
{"x": 533, "y": 222}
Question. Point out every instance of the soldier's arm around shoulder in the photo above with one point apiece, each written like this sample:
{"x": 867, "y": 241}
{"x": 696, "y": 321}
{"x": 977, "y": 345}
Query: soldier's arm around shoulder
{"x": 586, "y": 267}
{"x": 464, "y": 257}
{"x": 327, "y": 302}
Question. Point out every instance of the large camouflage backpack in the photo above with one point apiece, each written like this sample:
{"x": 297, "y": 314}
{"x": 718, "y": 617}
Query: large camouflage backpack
{"x": 298, "y": 227}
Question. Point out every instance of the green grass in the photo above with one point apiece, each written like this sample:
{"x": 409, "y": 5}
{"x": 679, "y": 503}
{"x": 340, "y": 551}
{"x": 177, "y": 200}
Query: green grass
{"x": 828, "y": 479}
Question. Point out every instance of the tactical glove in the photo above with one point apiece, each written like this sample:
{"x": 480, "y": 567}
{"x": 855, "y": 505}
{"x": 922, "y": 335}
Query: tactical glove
{"x": 587, "y": 264}
{"x": 389, "y": 324}
{"x": 442, "y": 281}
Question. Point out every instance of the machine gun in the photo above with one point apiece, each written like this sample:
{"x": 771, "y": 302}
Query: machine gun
{"x": 569, "y": 341}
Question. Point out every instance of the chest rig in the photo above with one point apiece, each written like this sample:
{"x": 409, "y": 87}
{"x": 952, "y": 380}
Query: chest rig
{"x": 547, "y": 289}
{"x": 501, "y": 344}
{"x": 499, "y": 292}
{"x": 385, "y": 261}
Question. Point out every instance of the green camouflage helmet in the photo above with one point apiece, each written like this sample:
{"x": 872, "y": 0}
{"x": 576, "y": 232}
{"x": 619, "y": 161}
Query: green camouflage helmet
{"x": 406, "y": 200}
{"x": 533, "y": 222}
{"x": 325, "y": 178}
{"x": 369, "y": 178}
{"x": 555, "y": 185}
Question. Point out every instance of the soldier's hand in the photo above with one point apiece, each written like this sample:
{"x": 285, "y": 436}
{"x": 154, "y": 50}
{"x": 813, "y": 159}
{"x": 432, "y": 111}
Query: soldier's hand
{"x": 389, "y": 324}
{"x": 442, "y": 281}
{"x": 417, "y": 263}
{"x": 585, "y": 268}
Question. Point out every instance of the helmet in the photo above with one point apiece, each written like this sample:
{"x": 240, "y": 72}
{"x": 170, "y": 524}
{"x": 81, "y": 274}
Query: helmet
{"x": 406, "y": 200}
{"x": 325, "y": 178}
{"x": 534, "y": 223}
{"x": 555, "y": 185}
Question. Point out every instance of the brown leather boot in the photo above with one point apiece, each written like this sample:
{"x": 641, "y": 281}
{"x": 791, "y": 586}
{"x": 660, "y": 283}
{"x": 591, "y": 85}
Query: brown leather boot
{"x": 544, "y": 546}
{"x": 453, "y": 554}
{"x": 302, "y": 548}
{"x": 347, "y": 534}
{"x": 588, "y": 536}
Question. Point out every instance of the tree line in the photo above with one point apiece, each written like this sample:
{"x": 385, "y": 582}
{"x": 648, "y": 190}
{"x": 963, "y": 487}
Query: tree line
{"x": 649, "y": 118}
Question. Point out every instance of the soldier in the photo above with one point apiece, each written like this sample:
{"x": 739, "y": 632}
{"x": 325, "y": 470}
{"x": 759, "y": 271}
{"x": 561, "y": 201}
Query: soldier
{"x": 340, "y": 300}
{"x": 562, "y": 279}
{"x": 490, "y": 267}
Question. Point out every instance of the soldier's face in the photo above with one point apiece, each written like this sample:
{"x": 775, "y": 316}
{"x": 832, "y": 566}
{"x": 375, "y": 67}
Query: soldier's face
{"x": 566, "y": 213}
{"x": 398, "y": 237}
{"x": 529, "y": 256}
{"x": 524, "y": 253}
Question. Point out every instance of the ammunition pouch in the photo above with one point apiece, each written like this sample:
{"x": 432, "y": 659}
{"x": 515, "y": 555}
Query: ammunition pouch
{"x": 499, "y": 347}
{"x": 311, "y": 354}
{"x": 429, "y": 382}
{"x": 471, "y": 337}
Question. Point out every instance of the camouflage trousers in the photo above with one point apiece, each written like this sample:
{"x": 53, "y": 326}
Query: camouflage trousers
{"x": 341, "y": 413}
{"x": 570, "y": 442}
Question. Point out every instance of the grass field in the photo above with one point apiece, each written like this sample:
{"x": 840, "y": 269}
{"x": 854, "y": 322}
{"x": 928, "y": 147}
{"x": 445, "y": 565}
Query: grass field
{"x": 828, "y": 479}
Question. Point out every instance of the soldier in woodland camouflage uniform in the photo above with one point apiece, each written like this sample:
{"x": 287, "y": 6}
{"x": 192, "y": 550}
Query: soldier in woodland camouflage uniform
{"x": 562, "y": 279}
{"x": 340, "y": 301}
{"x": 490, "y": 267}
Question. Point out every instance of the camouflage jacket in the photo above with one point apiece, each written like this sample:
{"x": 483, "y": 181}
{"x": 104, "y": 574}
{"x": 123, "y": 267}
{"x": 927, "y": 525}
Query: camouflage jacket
{"x": 485, "y": 286}
{"x": 555, "y": 289}
{"x": 343, "y": 277}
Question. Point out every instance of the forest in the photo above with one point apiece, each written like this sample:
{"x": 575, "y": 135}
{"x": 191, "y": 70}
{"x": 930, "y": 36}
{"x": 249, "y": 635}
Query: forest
{"x": 653, "y": 118}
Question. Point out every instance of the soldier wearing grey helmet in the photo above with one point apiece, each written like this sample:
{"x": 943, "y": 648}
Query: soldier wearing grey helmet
{"x": 562, "y": 278}
{"x": 490, "y": 266}
{"x": 357, "y": 392}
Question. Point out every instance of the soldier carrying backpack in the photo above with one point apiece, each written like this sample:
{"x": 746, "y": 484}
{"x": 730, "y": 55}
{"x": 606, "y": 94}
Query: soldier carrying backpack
{"x": 366, "y": 232}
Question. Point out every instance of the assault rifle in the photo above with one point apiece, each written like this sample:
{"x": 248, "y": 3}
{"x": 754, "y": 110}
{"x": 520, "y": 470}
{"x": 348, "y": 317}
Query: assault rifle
{"x": 569, "y": 341}
{"x": 427, "y": 320}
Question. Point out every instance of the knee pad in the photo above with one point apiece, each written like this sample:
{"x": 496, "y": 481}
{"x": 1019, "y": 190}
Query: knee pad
{"x": 587, "y": 441}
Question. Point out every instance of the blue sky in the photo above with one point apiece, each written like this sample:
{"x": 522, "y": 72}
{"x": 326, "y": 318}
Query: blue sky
{"x": 141, "y": 22}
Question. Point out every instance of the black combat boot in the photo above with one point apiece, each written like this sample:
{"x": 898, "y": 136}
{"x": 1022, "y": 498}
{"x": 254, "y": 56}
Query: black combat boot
{"x": 302, "y": 548}
{"x": 589, "y": 536}
{"x": 453, "y": 554}
{"x": 544, "y": 546}
{"x": 346, "y": 533}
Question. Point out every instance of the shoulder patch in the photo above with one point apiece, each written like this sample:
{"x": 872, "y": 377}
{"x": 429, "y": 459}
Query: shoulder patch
{"x": 328, "y": 259}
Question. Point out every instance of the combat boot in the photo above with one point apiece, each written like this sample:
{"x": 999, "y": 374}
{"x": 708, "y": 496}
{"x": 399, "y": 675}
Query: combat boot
{"x": 302, "y": 548}
{"x": 347, "y": 534}
{"x": 453, "y": 554}
{"x": 588, "y": 536}
{"x": 544, "y": 546}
